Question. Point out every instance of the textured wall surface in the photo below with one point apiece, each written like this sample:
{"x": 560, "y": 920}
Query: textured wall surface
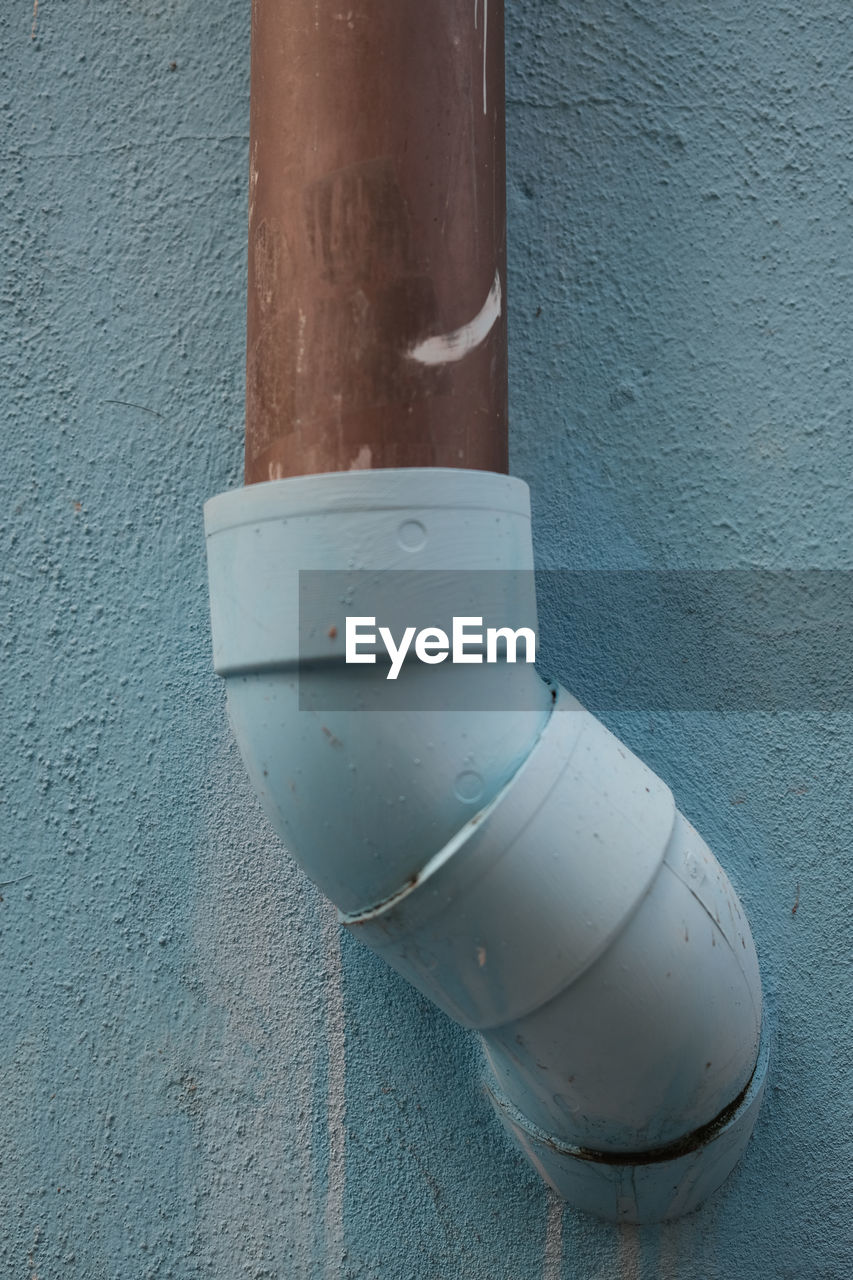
{"x": 200, "y": 1077}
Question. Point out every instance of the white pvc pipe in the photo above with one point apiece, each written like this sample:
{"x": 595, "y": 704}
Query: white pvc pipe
{"x": 514, "y": 861}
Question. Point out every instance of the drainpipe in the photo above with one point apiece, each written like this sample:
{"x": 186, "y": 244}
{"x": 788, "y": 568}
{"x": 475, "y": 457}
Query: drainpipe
{"x": 485, "y": 833}
{"x": 377, "y": 234}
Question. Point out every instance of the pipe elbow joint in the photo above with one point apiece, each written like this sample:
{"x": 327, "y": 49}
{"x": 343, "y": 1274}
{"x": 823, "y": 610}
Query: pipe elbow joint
{"x": 521, "y": 867}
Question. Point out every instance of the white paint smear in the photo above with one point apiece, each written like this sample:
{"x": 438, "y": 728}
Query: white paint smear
{"x": 362, "y": 460}
{"x": 628, "y": 1252}
{"x": 553, "y": 1262}
{"x": 336, "y": 1097}
{"x": 255, "y": 1061}
{"x": 485, "y": 34}
{"x": 447, "y": 348}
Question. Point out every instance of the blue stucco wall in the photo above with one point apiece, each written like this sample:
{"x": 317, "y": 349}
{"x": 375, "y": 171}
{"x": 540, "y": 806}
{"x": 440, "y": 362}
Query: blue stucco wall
{"x": 200, "y": 1077}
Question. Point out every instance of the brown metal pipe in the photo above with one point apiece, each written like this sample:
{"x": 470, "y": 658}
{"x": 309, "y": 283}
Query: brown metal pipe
{"x": 376, "y": 329}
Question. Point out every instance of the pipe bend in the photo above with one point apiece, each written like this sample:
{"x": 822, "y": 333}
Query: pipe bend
{"x": 532, "y": 889}
{"x": 514, "y": 860}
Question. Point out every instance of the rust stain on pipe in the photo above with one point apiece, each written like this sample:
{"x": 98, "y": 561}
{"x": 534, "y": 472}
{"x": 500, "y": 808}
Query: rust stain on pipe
{"x": 376, "y": 332}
